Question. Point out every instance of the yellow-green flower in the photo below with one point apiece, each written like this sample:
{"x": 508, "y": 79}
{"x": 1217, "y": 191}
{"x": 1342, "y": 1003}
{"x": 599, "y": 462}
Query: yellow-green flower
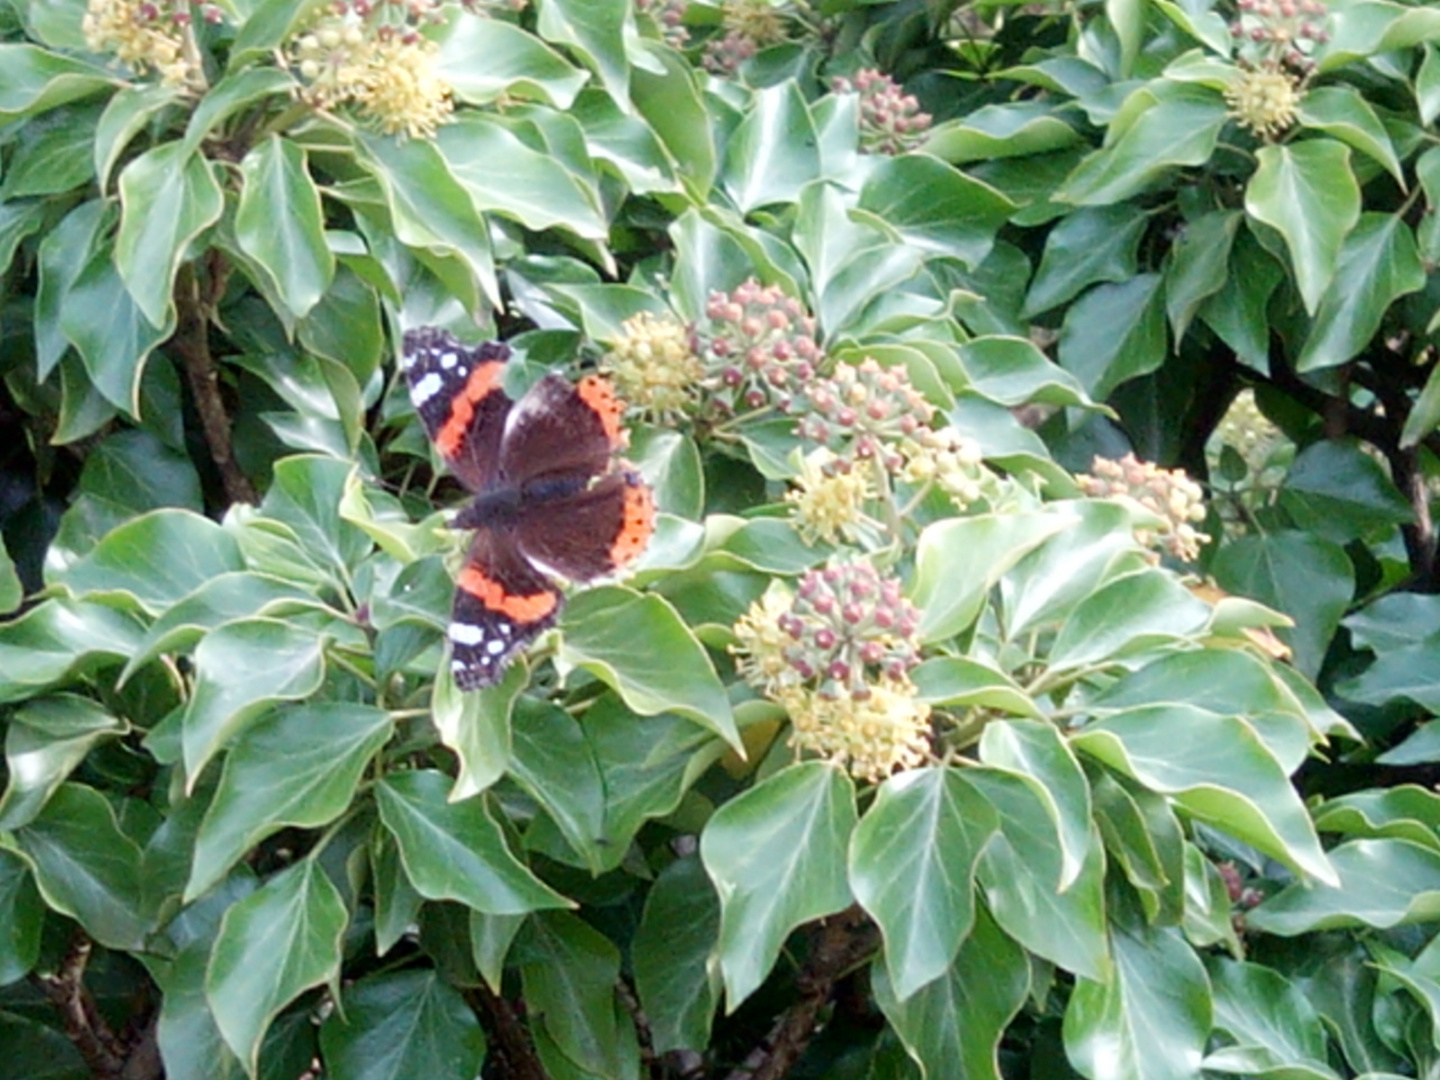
{"x": 829, "y": 501}
{"x": 872, "y": 734}
{"x": 655, "y": 367}
{"x": 1265, "y": 100}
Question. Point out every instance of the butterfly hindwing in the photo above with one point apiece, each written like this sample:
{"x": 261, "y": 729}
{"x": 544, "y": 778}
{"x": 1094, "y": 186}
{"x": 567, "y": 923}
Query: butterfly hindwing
{"x": 502, "y": 603}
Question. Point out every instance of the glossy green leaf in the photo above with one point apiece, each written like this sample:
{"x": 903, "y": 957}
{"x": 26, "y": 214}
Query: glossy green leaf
{"x": 273, "y": 945}
{"x": 1033, "y": 752}
{"x": 1114, "y": 333}
{"x": 455, "y": 850}
{"x": 305, "y": 494}
{"x": 1378, "y": 264}
{"x": 33, "y": 80}
{"x": 673, "y": 108}
{"x": 490, "y": 940}
{"x": 150, "y": 246}
{"x": 1341, "y": 111}
{"x": 1382, "y": 883}
{"x": 25, "y": 914}
{"x": 1307, "y": 191}
{"x": 1013, "y": 371}
{"x": 1238, "y": 312}
{"x": 1012, "y": 129}
{"x": 777, "y": 856}
{"x": 1161, "y": 125}
{"x": 958, "y": 562}
{"x": 157, "y": 559}
{"x": 1394, "y": 620}
{"x": 39, "y": 1051}
{"x": 678, "y": 987}
{"x": 134, "y": 469}
{"x": 598, "y": 31}
{"x": 569, "y": 971}
{"x": 101, "y": 318}
{"x": 482, "y": 58}
{"x": 17, "y": 221}
{"x": 279, "y": 223}
{"x": 935, "y": 207}
{"x": 432, "y": 211}
{"x": 1215, "y": 768}
{"x": 1421, "y": 746}
{"x": 224, "y": 597}
{"x": 56, "y": 638}
{"x": 953, "y": 1026}
{"x": 86, "y": 867}
{"x": 1197, "y": 265}
{"x": 955, "y": 680}
{"x": 1090, "y": 245}
{"x": 1128, "y": 615}
{"x": 1406, "y": 812}
{"x": 774, "y": 152}
{"x": 242, "y": 668}
{"x": 400, "y": 1025}
{"x": 506, "y": 176}
{"x": 1424, "y": 416}
{"x": 1149, "y": 1019}
{"x": 552, "y": 762}
{"x": 638, "y": 644}
{"x": 476, "y": 726}
{"x": 1306, "y": 577}
{"x": 1145, "y": 840}
{"x": 670, "y": 462}
{"x": 49, "y": 159}
{"x": 912, "y": 867}
{"x": 297, "y": 767}
{"x": 1410, "y": 671}
{"x": 1336, "y": 490}
{"x": 45, "y": 740}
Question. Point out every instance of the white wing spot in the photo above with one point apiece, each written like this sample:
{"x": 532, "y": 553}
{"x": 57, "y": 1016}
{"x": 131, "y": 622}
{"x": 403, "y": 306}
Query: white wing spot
{"x": 426, "y": 388}
{"x": 465, "y": 634}
{"x": 495, "y": 646}
{"x": 448, "y": 360}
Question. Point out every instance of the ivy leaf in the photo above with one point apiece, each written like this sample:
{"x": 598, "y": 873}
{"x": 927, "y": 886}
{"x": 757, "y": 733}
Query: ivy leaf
{"x": 678, "y": 987}
{"x": 777, "y": 856}
{"x": 279, "y": 223}
{"x": 1381, "y": 883}
{"x": 774, "y": 152}
{"x": 912, "y": 866}
{"x": 47, "y": 738}
{"x": 456, "y": 850}
{"x": 402, "y": 1024}
{"x": 274, "y": 944}
{"x": 1093, "y": 244}
{"x": 1307, "y": 191}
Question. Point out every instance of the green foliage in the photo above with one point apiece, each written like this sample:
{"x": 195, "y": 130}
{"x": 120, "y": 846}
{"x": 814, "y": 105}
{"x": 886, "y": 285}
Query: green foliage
{"x": 906, "y": 748}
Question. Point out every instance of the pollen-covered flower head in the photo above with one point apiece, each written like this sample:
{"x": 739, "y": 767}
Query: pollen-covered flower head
{"x": 890, "y": 119}
{"x": 757, "y": 346}
{"x": 148, "y": 35}
{"x": 1168, "y": 494}
{"x": 1275, "y": 34}
{"x": 1265, "y": 100}
{"x": 829, "y": 501}
{"x": 950, "y": 461}
{"x": 871, "y": 736}
{"x": 354, "y": 53}
{"x": 654, "y": 366}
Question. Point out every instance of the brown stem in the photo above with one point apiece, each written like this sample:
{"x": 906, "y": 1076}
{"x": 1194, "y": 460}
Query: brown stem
{"x": 842, "y": 942}
{"x": 194, "y": 303}
{"x": 65, "y": 989}
{"x": 508, "y": 1032}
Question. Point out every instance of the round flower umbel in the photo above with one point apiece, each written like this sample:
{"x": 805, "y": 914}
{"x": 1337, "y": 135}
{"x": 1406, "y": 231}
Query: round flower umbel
{"x": 837, "y": 655}
{"x": 829, "y": 502}
{"x": 950, "y": 461}
{"x": 1265, "y": 100}
{"x": 1270, "y": 34}
{"x": 669, "y": 16}
{"x": 1167, "y": 493}
{"x": 149, "y": 35}
{"x": 861, "y": 412}
{"x": 890, "y": 119}
{"x": 373, "y": 56}
{"x": 757, "y": 346}
{"x": 655, "y": 367}
{"x": 749, "y": 26}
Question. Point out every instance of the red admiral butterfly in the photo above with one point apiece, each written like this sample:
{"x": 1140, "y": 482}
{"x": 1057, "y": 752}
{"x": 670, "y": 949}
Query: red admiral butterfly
{"x": 550, "y": 497}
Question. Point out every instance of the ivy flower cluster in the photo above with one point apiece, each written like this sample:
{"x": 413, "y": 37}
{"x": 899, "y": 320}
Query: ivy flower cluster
{"x": 352, "y": 53}
{"x": 757, "y": 346}
{"x": 669, "y": 16}
{"x": 1275, "y": 39}
{"x": 148, "y": 35}
{"x": 837, "y": 655}
{"x": 654, "y": 366}
{"x": 1167, "y": 493}
{"x": 749, "y": 26}
{"x": 890, "y": 119}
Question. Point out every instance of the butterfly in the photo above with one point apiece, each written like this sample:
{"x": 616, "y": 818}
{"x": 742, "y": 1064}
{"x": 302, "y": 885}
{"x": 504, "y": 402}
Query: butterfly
{"x": 550, "y": 496}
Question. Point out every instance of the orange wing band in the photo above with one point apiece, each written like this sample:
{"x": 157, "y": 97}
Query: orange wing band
{"x": 527, "y": 608}
{"x": 478, "y": 387}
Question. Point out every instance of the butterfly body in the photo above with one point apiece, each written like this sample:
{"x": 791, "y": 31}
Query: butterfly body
{"x": 550, "y": 497}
